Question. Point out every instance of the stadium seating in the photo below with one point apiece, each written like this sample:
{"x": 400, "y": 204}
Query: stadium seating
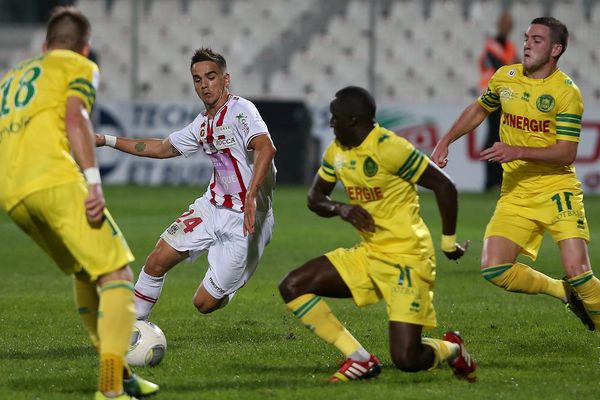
{"x": 426, "y": 51}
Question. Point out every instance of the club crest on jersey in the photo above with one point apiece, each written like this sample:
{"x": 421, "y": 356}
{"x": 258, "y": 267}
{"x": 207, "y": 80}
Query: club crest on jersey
{"x": 370, "y": 167}
{"x": 545, "y": 103}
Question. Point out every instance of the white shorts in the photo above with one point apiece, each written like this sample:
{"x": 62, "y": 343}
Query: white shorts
{"x": 232, "y": 257}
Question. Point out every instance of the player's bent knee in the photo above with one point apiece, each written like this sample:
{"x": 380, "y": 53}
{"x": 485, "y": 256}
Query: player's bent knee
{"x": 204, "y": 309}
{"x": 155, "y": 266}
{"x": 405, "y": 363}
{"x": 290, "y": 287}
{"x": 122, "y": 274}
{"x": 207, "y": 306}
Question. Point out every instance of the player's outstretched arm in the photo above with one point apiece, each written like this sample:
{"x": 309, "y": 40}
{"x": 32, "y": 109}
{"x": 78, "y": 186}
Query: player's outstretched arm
{"x": 151, "y": 148}
{"x": 321, "y": 204}
{"x": 563, "y": 152}
{"x": 264, "y": 152}
{"x": 471, "y": 118}
{"x": 81, "y": 140}
{"x": 446, "y": 197}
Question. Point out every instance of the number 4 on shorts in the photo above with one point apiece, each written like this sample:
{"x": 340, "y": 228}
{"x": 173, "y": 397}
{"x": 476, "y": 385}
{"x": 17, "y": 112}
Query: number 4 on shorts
{"x": 190, "y": 223}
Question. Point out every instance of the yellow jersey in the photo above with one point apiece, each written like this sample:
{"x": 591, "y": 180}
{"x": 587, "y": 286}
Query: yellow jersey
{"x": 34, "y": 150}
{"x": 380, "y": 176}
{"x": 535, "y": 113}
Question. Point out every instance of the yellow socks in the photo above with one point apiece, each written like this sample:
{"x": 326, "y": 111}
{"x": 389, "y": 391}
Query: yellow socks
{"x": 442, "y": 350}
{"x": 116, "y": 315}
{"x": 111, "y": 374}
{"x": 522, "y": 279}
{"x": 86, "y": 298}
{"x": 316, "y": 315}
{"x": 587, "y": 287}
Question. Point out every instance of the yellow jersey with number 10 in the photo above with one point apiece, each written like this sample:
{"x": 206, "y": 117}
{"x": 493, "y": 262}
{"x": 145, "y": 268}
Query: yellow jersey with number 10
{"x": 380, "y": 175}
{"x": 535, "y": 113}
{"x": 34, "y": 150}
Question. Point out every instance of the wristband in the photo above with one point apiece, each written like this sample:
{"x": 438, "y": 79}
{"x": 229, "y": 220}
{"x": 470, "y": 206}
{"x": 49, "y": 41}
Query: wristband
{"x": 110, "y": 140}
{"x": 448, "y": 243}
{"x": 92, "y": 176}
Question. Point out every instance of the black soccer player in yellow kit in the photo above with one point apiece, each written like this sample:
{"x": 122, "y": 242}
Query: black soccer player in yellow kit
{"x": 396, "y": 258}
{"x": 539, "y": 136}
{"x": 44, "y": 106}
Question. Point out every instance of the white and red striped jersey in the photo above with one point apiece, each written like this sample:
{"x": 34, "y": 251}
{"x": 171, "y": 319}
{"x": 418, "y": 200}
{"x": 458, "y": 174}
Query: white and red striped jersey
{"x": 225, "y": 139}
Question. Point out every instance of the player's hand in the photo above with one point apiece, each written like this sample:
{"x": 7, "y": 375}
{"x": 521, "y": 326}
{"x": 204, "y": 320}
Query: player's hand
{"x": 357, "y": 216}
{"x": 94, "y": 205}
{"x": 458, "y": 252}
{"x": 500, "y": 152}
{"x": 249, "y": 214}
{"x": 440, "y": 154}
{"x": 100, "y": 140}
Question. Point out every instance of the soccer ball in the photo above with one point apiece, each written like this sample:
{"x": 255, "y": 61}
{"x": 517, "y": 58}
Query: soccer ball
{"x": 147, "y": 346}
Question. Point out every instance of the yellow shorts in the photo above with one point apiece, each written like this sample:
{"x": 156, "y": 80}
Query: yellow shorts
{"x": 406, "y": 285}
{"x": 55, "y": 219}
{"x": 524, "y": 219}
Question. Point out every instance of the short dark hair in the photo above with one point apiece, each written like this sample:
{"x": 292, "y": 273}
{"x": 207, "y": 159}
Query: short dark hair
{"x": 558, "y": 31}
{"x": 68, "y": 29}
{"x": 207, "y": 54}
{"x": 357, "y": 101}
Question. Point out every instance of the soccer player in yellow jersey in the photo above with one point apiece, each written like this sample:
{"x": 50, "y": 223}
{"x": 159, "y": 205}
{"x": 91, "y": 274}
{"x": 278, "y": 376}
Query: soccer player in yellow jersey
{"x": 541, "y": 122}
{"x": 396, "y": 258}
{"x": 44, "y": 106}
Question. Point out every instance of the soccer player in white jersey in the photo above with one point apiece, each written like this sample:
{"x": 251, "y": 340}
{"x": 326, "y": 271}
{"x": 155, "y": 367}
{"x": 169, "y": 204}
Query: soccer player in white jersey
{"x": 233, "y": 220}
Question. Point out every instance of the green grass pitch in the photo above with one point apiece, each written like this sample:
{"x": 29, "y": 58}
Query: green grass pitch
{"x": 528, "y": 347}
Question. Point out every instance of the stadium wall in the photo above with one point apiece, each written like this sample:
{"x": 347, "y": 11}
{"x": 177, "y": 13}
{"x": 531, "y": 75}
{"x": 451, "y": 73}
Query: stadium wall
{"x": 289, "y": 123}
{"x": 301, "y": 135}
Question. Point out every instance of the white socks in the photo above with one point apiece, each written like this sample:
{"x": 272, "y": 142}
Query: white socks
{"x": 147, "y": 291}
{"x": 360, "y": 355}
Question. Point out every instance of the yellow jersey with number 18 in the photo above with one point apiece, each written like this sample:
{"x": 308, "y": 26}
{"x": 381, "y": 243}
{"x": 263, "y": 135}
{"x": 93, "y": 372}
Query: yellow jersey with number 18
{"x": 34, "y": 150}
{"x": 535, "y": 113}
{"x": 380, "y": 175}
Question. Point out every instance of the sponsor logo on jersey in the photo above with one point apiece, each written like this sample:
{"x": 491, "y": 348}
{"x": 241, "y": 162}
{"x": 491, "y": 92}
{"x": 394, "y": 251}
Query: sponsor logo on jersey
{"x": 545, "y": 103}
{"x": 224, "y": 137}
{"x": 370, "y": 167}
{"x": 383, "y": 138}
{"x": 364, "y": 193}
{"x": 243, "y": 121}
{"x": 512, "y": 72}
{"x": 526, "y": 124}
{"x": 14, "y": 127}
{"x": 339, "y": 163}
{"x": 506, "y": 93}
{"x": 226, "y": 180}
{"x": 224, "y": 142}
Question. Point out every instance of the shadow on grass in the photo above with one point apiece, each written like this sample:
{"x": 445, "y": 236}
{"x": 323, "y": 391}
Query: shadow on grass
{"x": 54, "y": 353}
{"x": 52, "y": 387}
